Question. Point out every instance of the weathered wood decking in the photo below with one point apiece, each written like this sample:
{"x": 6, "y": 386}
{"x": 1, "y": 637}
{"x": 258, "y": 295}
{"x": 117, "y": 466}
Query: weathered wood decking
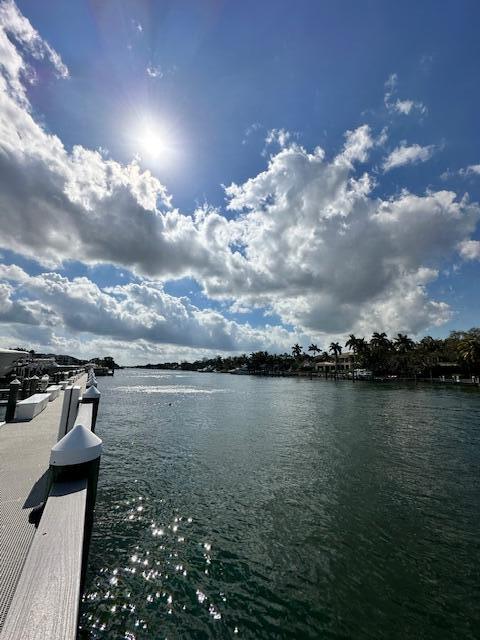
{"x": 24, "y": 462}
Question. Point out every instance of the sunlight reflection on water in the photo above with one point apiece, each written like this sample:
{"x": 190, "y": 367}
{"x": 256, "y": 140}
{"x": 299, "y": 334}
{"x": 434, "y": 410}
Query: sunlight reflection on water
{"x": 175, "y": 389}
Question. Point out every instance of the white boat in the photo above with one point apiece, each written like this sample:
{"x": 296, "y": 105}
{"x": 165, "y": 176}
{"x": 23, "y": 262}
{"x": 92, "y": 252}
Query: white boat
{"x": 239, "y": 371}
{"x": 363, "y": 374}
{"x": 8, "y": 359}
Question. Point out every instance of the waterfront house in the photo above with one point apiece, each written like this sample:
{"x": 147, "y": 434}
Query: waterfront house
{"x": 345, "y": 364}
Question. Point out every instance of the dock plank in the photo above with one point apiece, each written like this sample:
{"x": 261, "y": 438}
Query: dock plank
{"x": 46, "y": 602}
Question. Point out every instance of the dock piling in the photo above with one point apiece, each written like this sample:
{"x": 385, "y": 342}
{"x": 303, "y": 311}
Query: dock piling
{"x": 12, "y": 400}
{"x": 34, "y": 385}
{"x": 92, "y": 396}
{"x": 25, "y": 392}
{"x": 77, "y": 457}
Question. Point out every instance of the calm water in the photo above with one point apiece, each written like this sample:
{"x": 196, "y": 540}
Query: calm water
{"x": 234, "y": 506}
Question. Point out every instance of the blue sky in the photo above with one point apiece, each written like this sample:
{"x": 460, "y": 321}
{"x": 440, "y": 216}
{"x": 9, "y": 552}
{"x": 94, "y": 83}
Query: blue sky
{"x": 203, "y": 95}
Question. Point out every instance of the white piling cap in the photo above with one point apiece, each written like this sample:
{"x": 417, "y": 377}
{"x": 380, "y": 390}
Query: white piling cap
{"x": 78, "y": 446}
{"x": 92, "y": 392}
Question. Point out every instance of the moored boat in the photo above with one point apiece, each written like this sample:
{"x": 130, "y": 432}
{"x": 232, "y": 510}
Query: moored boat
{"x": 8, "y": 360}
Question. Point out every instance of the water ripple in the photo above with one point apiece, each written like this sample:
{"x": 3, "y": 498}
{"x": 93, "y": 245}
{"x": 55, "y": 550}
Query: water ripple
{"x": 280, "y": 508}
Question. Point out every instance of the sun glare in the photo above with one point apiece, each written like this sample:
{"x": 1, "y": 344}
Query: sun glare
{"x": 153, "y": 142}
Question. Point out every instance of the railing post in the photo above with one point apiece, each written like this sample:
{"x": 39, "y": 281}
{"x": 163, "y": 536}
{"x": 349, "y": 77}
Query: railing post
{"x": 34, "y": 385}
{"x": 76, "y": 456}
{"x": 91, "y": 381}
{"x": 72, "y": 414}
{"x": 12, "y": 400}
{"x": 92, "y": 396}
{"x": 62, "y": 428}
{"x": 25, "y": 388}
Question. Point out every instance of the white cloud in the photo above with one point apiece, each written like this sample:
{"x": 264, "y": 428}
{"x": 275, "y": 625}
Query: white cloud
{"x": 237, "y": 307}
{"x": 472, "y": 170}
{"x": 306, "y": 239}
{"x": 404, "y": 106}
{"x": 154, "y": 72}
{"x": 18, "y": 39}
{"x": 250, "y": 130}
{"x": 470, "y": 249}
{"x": 357, "y": 145}
{"x": 326, "y": 256}
{"x": 281, "y": 137}
{"x": 135, "y": 311}
{"x": 396, "y": 105}
{"x": 408, "y": 154}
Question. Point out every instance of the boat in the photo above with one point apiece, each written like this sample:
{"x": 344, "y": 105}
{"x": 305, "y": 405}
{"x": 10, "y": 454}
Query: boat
{"x": 8, "y": 360}
{"x": 363, "y": 374}
{"x": 239, "y": 371}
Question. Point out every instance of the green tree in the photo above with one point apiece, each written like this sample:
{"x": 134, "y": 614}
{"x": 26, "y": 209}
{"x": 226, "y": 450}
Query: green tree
{"x": 380, "y": 340}
{"x": 405, "y": 360}
{"x": 404, "y": 344}
{"x": 336, "y": 349}
{"x": 469, "y": 352}
{"x": 297, "y": 350}
{"x": 314, "y": 349}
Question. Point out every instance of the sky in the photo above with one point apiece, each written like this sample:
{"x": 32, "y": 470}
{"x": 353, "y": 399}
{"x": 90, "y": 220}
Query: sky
{"x": 181, "y": 180}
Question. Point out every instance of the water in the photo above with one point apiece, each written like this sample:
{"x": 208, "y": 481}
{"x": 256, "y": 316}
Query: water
{"x": 237, "y": 506}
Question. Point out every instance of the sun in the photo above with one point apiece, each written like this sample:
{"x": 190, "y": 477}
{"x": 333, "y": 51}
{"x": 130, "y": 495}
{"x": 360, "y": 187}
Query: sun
{"x": 153, "y": 142}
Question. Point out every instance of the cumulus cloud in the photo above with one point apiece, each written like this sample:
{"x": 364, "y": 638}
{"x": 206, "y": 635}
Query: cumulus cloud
{"x": 306, "y": 238}
{"x": 327, "y": 256}
{"x": 58, "y": 205}
{"x": 135, "y": 311}
{"x": 407, "y": 154}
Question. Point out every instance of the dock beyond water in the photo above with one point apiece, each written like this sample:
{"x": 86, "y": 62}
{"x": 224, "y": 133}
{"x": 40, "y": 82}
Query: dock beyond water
{"x": 24, "y": 466}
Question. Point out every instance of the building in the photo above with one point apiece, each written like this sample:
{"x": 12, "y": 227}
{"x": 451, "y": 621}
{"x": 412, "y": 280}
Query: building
{"x": 345, "y": 364}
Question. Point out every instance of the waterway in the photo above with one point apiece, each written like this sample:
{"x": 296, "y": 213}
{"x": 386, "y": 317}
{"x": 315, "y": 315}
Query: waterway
{"x": 246, "y": 507}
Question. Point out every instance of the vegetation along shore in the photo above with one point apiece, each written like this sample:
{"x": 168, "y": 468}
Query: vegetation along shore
{"x": 456, "y": 358}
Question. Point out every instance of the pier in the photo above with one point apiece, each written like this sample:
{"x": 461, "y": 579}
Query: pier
{"x": 48, "y": 474}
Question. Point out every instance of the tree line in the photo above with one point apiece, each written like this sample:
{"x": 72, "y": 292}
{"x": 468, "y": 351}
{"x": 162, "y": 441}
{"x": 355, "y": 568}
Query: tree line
{"x": 383, "y": 356}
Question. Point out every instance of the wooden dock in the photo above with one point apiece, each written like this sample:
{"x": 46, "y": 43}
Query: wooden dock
{"x": 40, "y": 568}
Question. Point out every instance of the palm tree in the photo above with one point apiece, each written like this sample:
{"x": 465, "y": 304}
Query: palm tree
{"x": 469, "y": 351}
{"x": 405, "y": 358}
{"x": 353, "y": 343}
{"x": 380, "y": 353}
{"x": 362, "y": 346}
{"x": 314, "y": 349}
{"x": 297, "y": 350}
{"x": 336, "y": 349}
{"x": 403, "y": 343}
{"x": 380, "y": 340}
{"x": 427, "y": 352}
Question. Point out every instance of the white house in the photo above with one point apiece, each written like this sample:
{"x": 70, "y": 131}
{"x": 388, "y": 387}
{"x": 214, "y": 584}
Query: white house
{"x": 346, "y": 362}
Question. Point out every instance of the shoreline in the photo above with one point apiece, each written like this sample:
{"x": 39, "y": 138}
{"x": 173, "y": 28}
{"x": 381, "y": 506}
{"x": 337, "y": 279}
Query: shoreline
{"x": 339, "y": 377}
